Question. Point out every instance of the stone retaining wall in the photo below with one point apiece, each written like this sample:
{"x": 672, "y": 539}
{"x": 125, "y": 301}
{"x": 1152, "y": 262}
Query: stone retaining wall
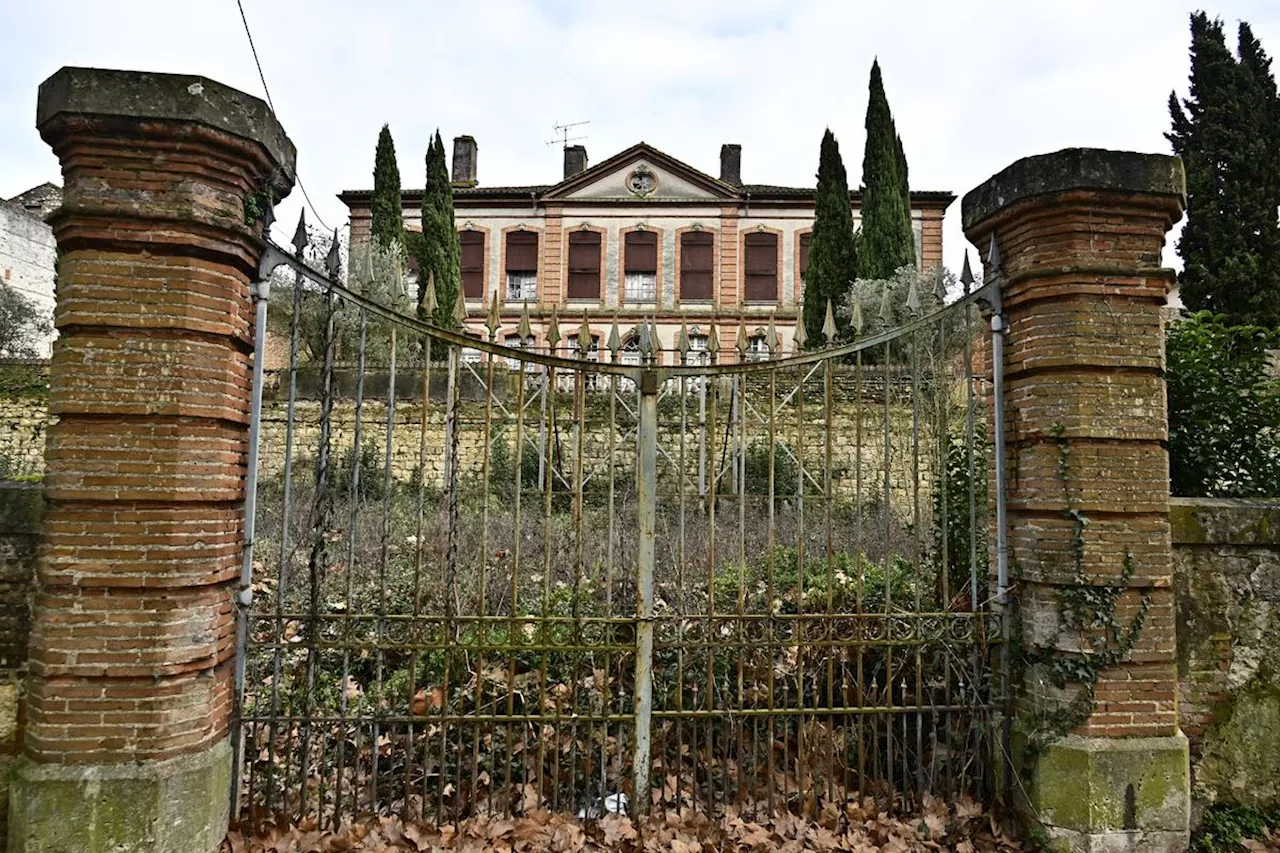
{"x": 20, "y": 510}
{"x": 1227, "y": 584}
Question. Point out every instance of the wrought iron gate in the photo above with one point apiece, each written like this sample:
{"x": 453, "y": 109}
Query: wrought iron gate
{"x": 593, "y": 574}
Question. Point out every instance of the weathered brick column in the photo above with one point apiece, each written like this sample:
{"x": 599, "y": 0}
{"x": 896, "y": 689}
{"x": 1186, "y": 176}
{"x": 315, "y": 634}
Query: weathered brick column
{"x": 130, "y": 691}
{"x": 1080, "y": 233}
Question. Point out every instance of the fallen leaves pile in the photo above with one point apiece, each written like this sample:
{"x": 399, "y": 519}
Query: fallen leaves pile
{"x": 860, "y": 827}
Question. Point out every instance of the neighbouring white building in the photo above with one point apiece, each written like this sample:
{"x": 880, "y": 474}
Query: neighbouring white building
{"x": 28, "y": 250}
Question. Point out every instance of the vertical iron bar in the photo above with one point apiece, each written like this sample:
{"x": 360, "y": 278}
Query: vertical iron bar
{"x": 244, "y": 595}
{"x": 646, "y": 521}
{"x": 282, "y": 574}
{"x": 353, "y": 504}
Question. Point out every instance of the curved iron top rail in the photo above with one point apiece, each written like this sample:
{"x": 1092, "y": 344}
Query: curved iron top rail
{"x": 276, "y": 256}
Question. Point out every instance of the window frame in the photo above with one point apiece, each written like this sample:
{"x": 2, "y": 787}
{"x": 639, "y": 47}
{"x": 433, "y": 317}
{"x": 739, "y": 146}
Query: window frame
{"x": 758, "y": 237}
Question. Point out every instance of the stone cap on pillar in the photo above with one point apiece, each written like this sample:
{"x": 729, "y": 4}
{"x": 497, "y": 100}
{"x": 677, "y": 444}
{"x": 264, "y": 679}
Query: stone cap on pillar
{"x": 1094, "y": 170}
{"x": 81, "y": 94}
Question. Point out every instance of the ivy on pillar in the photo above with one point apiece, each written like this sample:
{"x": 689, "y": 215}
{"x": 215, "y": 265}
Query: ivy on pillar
{"x": 129, "y": 700}
{"x": 1080, "y": 234}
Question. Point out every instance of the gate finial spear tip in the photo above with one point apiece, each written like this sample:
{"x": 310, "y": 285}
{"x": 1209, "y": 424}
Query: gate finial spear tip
{"x": 800, "y": 337}
{"x": 771, "y": 340}
{"x": 857, "y": 321}
{"x": 993, "y": 257}
{"x": 886, "y": 315}
{"x": 829, "y": 324}
{"x": 584, "y": 335}
{"x": 940, "y": 287}
{"x": 913, "y": 298}
{"x": 553, "y": 331}
{"x": 493, "y": 320}
{"x": 430, "y": 303}
{"x": 713, "y": 341}
{"x": 741, "y": 343}
{"x": 682, "y": 340}
{"x": 615, "y": 337}
{"x": 460, "y": 308}
{"x": 966, "y": 273}
{"x": 300, "y": 239}
{"x": 525, "y": 330}
{"x": 333, "y": 263}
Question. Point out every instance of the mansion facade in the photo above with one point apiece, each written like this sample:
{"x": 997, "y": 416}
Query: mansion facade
{"x": 641, "y": 237}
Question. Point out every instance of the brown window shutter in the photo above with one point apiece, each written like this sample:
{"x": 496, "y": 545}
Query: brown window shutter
{"x": 522, "y": 251}
{"x": 584, "y": 265}
{"x": 471, "y": 263}
{"x": 761, "y": 266}
{"x": 696, "y": 265}
{"x": 805, "y": 240}
{"x": 641, "y": 253}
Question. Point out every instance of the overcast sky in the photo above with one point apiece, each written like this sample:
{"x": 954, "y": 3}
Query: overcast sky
{"x": 973, "y": 85}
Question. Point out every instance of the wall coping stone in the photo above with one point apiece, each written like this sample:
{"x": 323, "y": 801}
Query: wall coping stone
{"x": 1225, "y": 521}
{"x": 1075, "y": 169}
{"x": 145, "y": 95}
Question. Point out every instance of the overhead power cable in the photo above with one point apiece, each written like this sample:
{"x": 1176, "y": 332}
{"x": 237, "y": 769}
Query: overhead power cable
{"x": 267, "y": 91}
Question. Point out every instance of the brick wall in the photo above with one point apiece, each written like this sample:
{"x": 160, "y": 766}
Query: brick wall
{"x": 1227, "y": 587}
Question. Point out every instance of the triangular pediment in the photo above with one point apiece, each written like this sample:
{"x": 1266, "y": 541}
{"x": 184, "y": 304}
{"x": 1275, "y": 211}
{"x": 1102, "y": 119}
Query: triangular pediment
{"x": 642, "y": 173}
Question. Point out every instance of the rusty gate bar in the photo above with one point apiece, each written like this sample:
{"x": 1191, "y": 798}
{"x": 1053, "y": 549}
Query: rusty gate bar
{"x": 646, "y": 520}
{"x": 718, "y": 578}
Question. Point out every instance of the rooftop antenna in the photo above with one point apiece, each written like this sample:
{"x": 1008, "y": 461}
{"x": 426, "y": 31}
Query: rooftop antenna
{"x": 562, "y": 133}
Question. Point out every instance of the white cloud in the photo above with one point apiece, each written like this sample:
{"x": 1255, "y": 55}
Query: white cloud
{"x": 973, "y": 85}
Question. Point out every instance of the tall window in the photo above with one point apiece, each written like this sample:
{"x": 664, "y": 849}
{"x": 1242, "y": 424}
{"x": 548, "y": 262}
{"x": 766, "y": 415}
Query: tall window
{"x": 522, "y": 266}
{"x": 584, "y": 265}
{"x": 631, "y": 349}
{"x": 805, "y": 240}
{"x": 516, "y": 342}
{"x": 640, "y": 260}
{"x": 699, "y": 347}
{"x": 696, "y": 261}
{"x": 761, "y": 265}
{"x": 471, "y": 263}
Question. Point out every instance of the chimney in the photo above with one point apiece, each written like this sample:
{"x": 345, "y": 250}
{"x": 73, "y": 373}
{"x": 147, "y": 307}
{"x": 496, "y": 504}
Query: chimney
{"x": 464, "y": 161}
{"x": 575, "y": 160}
{"x": 731, "y": 164}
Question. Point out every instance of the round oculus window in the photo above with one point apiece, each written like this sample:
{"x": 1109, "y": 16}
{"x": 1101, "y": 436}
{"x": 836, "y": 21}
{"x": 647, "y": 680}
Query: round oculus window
{"x": 641, "y": 181}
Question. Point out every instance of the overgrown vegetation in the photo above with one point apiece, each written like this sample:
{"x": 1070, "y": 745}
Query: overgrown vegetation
{"x": 1226, "y": 827}
{"x": 1224, "y": 408}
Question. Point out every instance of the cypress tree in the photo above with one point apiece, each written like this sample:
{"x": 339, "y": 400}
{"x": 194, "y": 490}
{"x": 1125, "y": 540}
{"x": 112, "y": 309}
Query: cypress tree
{"x": 388, "y": 219}
{"x": 438, "y": 251}
{"x": 887, "y": 241}
{"x": 1227, "y": 133}
{"x": 832, "y": 248}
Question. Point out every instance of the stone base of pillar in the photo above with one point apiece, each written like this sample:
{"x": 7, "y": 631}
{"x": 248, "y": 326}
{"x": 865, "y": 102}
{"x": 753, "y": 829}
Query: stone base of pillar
{"x": 1106, "y": 795}
{"x": 179, "y": 805}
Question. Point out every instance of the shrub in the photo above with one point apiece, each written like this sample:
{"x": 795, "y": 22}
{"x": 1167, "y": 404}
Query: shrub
{"x": 1224, "y": 409}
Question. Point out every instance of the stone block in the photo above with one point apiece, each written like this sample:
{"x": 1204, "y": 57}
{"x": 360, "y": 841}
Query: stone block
{"x": 179, "y": 805}
{"x": 1112, "y": 794}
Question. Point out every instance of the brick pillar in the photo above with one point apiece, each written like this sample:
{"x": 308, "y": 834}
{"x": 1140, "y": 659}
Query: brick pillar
{"x": 130, "y": 691}
{"x": 1080, "y": 233}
